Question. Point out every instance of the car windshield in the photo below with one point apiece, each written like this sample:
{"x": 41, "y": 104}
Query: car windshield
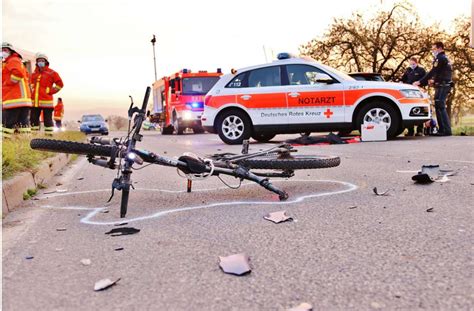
{"x": 198, "y": 85}
{"x": 92, "y": 118}
{"x": 339, "y": 73}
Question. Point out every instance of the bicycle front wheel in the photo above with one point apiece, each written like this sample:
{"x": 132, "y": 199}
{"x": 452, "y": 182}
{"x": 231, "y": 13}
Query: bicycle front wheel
{"x": 297, "y": 162}
{"x": 124, "y": 203}
{"x": 64, "y": 146}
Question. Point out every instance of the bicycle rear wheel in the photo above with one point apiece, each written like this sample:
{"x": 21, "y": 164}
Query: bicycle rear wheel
{"x": 64, "y": 146}
{"x": 297, "y": 162}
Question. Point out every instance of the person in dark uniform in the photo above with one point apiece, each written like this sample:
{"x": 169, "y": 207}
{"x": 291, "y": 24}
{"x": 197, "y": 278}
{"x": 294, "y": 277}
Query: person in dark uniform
{"x": 412, "y": 74}
{"x": 441, "y": 77}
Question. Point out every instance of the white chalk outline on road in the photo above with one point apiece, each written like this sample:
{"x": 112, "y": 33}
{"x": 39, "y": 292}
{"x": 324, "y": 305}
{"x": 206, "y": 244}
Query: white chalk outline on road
{"x": 95, "y": 210}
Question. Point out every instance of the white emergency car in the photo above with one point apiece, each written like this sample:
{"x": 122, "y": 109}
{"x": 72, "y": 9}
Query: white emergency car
{"x": 296, "y": 95}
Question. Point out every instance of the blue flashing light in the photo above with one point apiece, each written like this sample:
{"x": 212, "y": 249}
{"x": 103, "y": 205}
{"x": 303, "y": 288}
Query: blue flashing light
{"x": 284, "y": 55}
{"x": 195, "y": 105}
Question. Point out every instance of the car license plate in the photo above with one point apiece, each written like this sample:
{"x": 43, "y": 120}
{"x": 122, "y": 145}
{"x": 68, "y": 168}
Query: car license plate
{"x": 94, "y": 129}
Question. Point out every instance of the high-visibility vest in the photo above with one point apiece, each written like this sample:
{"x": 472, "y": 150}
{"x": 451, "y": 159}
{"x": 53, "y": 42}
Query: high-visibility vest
{"x": 44, "y": 84}
{"x": 15, "y": 90}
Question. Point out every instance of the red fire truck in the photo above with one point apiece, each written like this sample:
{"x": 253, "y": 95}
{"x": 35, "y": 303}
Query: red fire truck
{"x": 178, "y": 100}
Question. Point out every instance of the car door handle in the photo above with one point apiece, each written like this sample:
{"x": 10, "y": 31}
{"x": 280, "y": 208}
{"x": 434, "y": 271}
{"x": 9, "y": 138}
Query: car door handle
{"x": 245, "y": 97}
{"x": 294, "y": 94}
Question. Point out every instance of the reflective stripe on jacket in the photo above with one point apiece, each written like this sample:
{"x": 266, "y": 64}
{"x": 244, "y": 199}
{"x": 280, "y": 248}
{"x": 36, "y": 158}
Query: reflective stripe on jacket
{"x": 15, "y": 90}
{"x": 44, "y": 84}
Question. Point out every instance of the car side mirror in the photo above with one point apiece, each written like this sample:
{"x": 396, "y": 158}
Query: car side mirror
{"x": 106, "y": 120}
{"x": 323, "y": 78}
{"x": 78, "y": 121}
{"x": 147, "y": 113}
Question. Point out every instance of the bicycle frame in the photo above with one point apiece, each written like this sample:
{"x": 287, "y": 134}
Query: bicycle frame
{"x": 127, "y": 153}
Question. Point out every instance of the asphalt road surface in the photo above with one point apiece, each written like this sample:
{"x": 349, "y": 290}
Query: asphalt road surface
{"x": 347, "y": 248}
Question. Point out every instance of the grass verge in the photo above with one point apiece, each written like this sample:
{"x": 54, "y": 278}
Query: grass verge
{"x": 17, "y": 156}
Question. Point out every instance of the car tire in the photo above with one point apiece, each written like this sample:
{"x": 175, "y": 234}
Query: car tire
{"x": 233, "y": 127}
{"x": 166, "y": 130}
{"x": 177, "y": 127}
{"x": 198, "y": 130}
{"x": 263, "y": 137}
{"x": 381, "y": 111}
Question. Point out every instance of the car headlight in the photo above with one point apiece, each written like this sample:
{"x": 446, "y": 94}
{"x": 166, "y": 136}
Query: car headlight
{"x": 411, "y": 93}
{"x": 187, "y": 115}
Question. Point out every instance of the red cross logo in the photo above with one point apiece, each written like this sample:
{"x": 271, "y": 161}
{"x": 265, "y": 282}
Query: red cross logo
{"x": 328, "y": 113}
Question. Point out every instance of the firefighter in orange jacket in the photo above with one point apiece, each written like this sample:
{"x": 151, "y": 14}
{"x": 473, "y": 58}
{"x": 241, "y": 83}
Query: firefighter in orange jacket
{"x": 16, "y": 96}
{"x": 58, "y": 113}
{"x": 45, "y": 82}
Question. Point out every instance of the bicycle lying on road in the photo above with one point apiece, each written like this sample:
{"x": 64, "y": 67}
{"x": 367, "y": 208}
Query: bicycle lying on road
{"x": 121, "y": 154}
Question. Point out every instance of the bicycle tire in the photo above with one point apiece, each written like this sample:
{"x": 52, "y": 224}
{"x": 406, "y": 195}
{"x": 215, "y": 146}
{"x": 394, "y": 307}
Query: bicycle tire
{"x": 124, "y": 203}
{"x": 298, "y": 162}
{"x": 64, "y": 146}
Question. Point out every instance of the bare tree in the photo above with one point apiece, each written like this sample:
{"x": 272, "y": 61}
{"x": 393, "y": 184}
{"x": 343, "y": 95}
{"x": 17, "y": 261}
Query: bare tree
{"x": 384, "y": 42}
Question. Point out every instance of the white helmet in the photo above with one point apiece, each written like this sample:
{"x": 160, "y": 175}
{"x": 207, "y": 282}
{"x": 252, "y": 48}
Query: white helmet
{"x": 8, "y": 46}
{"x": 41, "y": 55}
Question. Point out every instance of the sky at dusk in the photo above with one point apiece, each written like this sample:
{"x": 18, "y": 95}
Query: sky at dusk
{"x": 103, "y": 52}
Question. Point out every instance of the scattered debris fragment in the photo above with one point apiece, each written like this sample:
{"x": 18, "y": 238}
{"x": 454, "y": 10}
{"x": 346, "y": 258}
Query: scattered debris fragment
{"x": 123, "y": 231}
{"x": 428, "y": 174}
{"x": 118, "y": 249}
{"x": 59, "y": 184}
{"x": 432, "y": 173}
{"x": 104, "y": 284}
{"x": 376, "y": 305}
{"x": 278, "y": 217}
{"x": 80, "y": 178}
{"x": 121, "y": 224}
{"x": 61, "y": 190}
{"x": 29, "y": 257}
{"x": 430, "y": 210}
{"x": 237, "y": 264}
{"x": 61, "y": 229}
{"x": 86, "y": 262}
{"x": 352, "y": 207}
{"x": 442, "y": 179}
{"x": 49, "y": 192}
{"x": 105, "y": 211}
{"x": 302, "y": 307}
{"x": 59, "y": 249}
{"x": 385, "y": 193}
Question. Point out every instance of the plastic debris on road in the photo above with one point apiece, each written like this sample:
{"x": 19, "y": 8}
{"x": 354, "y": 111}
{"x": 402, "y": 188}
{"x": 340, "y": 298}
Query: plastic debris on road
{"x": 86, "y": 262}
{"x": 385, "y": 193}
{"x": 61, "y": 229}
{"x": 237, "y": 264}
{"x": 430, "y": 210}
{"x": 302, "y": 307}
{"x": 432, "y": 173}
{"x": 104, "y": 284}
{"x": 278, "y": 217}
{"x": 123, "y": 231}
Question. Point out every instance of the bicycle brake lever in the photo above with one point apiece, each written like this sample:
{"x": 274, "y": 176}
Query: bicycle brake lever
{"x": 116, "y": 184}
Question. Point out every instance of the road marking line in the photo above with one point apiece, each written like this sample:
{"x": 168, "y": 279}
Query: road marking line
{"x": 460, "y": 161}
{"x": 95, "y": 210}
